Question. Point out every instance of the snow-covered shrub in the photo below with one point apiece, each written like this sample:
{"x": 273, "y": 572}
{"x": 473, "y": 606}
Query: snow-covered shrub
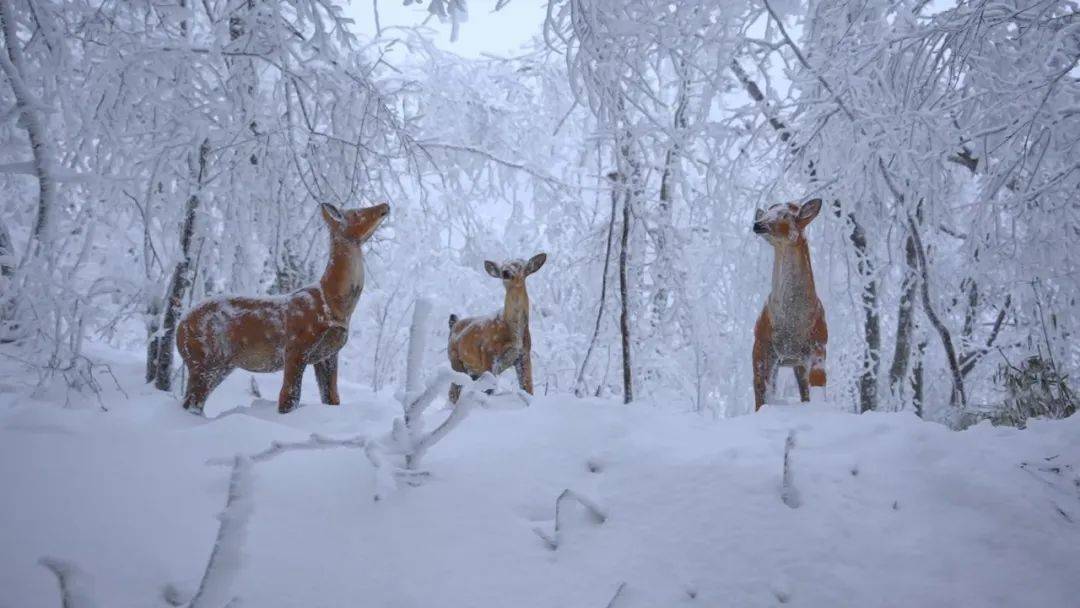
{"x": 1034, "y": 389}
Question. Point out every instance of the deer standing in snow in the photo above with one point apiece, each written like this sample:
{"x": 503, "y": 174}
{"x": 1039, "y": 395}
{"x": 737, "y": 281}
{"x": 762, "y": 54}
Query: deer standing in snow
{"x": 495, "y": 342}
{"x": 791, "y": 330}
{"x": 267, "y": 334}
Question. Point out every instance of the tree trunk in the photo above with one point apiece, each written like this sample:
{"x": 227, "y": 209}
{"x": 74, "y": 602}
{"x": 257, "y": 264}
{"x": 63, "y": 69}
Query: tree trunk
{"x": 624, "y": 316}
{"x": 29, "y": 119}
{"x": 180, "y": 280}
{"x": 905, "y": 321}
{"x": 868, "y": 380}
{"x": 917, "y": 384}
{"x": 958, "y": 397}
{"x": 7, "y": 252}
{"x": 7, "y": 289}
{"x": 665, "y": 266}
{"x": 579, "y": 384}
{"x": 153, "y": 328}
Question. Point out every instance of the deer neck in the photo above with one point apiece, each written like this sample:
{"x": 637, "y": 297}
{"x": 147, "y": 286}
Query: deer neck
{"x": 793, "y": 290}
{"x": 516, "y": 311}
{"x": 343, "y": 279}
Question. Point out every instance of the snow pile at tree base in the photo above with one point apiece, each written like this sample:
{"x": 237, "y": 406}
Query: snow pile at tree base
{"x": 663, "y": 509}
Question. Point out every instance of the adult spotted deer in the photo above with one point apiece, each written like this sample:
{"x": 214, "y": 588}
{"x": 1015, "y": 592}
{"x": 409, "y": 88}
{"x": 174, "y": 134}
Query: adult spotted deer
{"x": 495, "y": 342}
{"x": 791, "y": 330}
{"x": 308, "y": 326}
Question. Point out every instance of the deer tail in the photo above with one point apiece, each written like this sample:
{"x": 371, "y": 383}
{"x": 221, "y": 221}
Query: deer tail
{"x": 453, "y": 320}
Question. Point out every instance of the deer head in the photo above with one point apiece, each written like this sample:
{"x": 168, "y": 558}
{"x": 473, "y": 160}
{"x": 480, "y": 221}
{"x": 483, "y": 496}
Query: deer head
{"x": 513, "y": 273}
{"x": 354, "y": 225}
{"x": 784, "y": 223}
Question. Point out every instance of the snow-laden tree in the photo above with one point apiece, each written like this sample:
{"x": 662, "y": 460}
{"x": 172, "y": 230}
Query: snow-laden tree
{"x": 160, "y": 152}
{"x": 654, "y": 74}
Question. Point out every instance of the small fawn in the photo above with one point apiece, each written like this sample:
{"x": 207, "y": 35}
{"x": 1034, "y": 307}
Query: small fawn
{"x": 494, "y": 343}
{"x": 308, "y": 326}
{"x": 791, "y": 330}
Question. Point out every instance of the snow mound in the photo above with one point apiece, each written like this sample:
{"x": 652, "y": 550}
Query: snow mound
{"x": 565, "y": 503}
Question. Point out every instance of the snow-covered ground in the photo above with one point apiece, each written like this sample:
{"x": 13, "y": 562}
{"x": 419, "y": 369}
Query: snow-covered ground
{"x": 892, "y": 511}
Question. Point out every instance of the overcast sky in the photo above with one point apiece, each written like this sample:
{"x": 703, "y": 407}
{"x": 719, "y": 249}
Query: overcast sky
{"x": 486, "y": 31}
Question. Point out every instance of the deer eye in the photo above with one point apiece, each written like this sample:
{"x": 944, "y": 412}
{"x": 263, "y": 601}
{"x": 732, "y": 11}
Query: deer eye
{"x": 506, "y": 274}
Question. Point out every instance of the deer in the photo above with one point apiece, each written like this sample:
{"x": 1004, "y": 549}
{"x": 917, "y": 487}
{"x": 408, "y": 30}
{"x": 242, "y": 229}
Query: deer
{"x": 495, "y": 342}
{"x": 289, "y": 332}
{"x": 791, "y": 329}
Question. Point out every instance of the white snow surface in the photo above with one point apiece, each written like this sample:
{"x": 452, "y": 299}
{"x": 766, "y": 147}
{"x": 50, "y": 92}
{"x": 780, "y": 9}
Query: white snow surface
{"x": 892, "y": 511}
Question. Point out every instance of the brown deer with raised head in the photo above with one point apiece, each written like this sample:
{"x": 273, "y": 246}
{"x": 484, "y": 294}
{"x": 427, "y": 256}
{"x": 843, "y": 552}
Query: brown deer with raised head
{"x": 496, "y": 342}
{"x": 267, "y": 334}
{"x": 791, "y": 330}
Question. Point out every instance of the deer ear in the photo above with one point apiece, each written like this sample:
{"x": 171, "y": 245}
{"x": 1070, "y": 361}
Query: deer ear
{"x": 331, "y": 214}
{"x": 535, "y": 263}
{"x": 809, "y": 210}
{"x": 492, "y": 268}
{"x": 758, "y": 214}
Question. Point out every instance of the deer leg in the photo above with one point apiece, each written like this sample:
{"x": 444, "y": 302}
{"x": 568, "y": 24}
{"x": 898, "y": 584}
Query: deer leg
{"x": 802, "y": 377}
{"x": 764, "y": 362}
{"x": 771, "y": 387}
{"x": 762, "y": 374}
{"x": 523, "y": 367}
{"x": 200, "y": 385}
{"x": 817, "y": 367}
{"x": 455, "y": 393}
{"x": 764, "y": 365}
{"x": 326, "y": 377}
{"x": 196, "y": 392}
{"x": 290, "y": 384}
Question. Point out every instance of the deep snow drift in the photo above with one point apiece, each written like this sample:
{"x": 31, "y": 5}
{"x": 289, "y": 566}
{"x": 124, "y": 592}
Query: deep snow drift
{"x": 892, "y": 511}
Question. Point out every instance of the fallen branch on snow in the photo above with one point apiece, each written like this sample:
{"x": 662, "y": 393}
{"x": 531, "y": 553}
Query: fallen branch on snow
{"x": 314, "y": 442}
{"x": 224, "y": 560}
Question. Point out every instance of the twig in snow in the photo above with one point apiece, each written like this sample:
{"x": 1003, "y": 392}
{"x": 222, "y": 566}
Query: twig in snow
{"x": 596, "y": 514}
{"x": 173, "y": 596}
{"x": 618, "y": 592}
{"x": 788, "y": 493}
{"x": 73, "y": 591}
{"x": 224, "y": 560}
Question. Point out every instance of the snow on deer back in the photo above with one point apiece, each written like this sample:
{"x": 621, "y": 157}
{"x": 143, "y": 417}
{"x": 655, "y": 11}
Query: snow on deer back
{"x": 791, "y": 330}
{"x": 495, "y": 342}
{"x": 267, "y": 334}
